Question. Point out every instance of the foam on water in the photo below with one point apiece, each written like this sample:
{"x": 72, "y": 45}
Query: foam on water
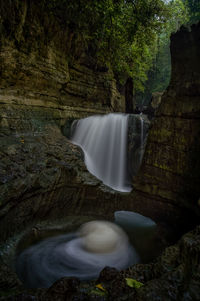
{"x": 142, "y": 136}
{"x": 82, "y": 254}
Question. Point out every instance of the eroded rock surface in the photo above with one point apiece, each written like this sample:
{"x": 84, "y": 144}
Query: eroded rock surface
{"x": 170, "y": 175}
{"x": 47, "y": 79}
{"x": 44, "y": 67}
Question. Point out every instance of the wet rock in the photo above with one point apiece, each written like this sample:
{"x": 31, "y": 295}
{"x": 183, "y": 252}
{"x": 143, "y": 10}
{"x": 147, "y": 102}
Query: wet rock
{"x": 115, "y": 284}
{"x": 175, "y": 275}
{"x": 107, "y": 274}
{"x": 65, "y": 284}
{"x": 138, "y": 126}
{"x": 155, "y": 102}
{"x": 63, "y": 289}
{"x": 20, "y": 297}
{"x": 95, "y": 298}
{"x": 8, "y": 278}
{"x": 119, "y": 290}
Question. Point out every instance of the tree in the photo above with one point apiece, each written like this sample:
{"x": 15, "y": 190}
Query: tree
{"x": 194, "y": 10}
{"x": 129, "y": 36}
{"x": 159, "y": 74}
{"x": 121, "y": 34}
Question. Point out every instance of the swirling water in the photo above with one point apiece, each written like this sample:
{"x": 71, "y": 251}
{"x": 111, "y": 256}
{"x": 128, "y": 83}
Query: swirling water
{"x": 82, "y": 254}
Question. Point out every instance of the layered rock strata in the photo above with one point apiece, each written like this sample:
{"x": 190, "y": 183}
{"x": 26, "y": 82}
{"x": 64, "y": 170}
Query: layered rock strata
{"x": 45, "y": 66}
{"x": 170, "y": 175}
{"x": 47, "y": 78}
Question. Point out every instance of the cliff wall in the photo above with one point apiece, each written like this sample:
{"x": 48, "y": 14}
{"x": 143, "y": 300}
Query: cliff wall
{"x": 170, "y": 174}
{"x": 47, "y": 76}
{"x": 46, "y": 67}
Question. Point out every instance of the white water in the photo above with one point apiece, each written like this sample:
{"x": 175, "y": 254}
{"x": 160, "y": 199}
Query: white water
{"x": 83, "y": 254}
{"x": 104, "y": 142}
{"x": 142, "y": 136}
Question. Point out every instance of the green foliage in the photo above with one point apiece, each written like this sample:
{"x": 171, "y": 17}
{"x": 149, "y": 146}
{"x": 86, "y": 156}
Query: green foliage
{"x": 133, "y": 283}
{"x": 179, "y": 15}
{"x": 193, "y": 9}
{"x": 131, "y": 37}
{"x": 121, "y": 34}
{"x": 160, "y": 72}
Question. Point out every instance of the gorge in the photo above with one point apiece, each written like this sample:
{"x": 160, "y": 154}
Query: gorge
{"x": 44, "y": 183}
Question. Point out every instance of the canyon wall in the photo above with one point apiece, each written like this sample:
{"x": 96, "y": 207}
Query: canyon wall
{"x": 46, "y": 67}
{"x": 47, "y": 77}
{"x": 169, "y": 179}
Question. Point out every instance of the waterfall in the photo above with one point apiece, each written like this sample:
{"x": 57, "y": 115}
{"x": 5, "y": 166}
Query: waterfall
{"x": 104, "y": 142}
{"x": 141, "y": 136}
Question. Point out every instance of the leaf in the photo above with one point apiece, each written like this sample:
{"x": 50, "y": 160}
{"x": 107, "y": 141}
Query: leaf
{"x": 99, "y": 290}
{"x": 100, "y": 286}
{"x": 133, "y": 283}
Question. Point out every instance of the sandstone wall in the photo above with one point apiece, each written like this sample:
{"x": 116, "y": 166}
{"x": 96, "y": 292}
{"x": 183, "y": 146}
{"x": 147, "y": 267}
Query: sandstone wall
{"x": 46, "y": 69}
{"x": 170, "y": 175}
{"x": 47, "y": 76}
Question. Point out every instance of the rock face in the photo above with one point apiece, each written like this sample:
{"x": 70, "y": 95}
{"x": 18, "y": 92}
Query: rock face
{"x": 156, "y": 100}
{"x": 43, "y": 87}
{"x": 176, "y": 274}
{"x": 45, "y": 66}
{"x": 138, "y": 126}
{"x": 153, "y": 105}
{"x": 169, "y": 179}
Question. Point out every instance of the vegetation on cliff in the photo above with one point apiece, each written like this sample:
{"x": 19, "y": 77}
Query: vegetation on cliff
{"x": 131, "y": 37}
{"x": 123, "y": 34}
{"x": 184, "y": 12}
{"x": 193, "y": 9}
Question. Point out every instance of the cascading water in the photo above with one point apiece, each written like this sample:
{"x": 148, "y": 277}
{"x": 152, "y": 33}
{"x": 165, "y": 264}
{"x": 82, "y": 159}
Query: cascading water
{"x": 104, "y": 142}
{"x": 142, "y": 136}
